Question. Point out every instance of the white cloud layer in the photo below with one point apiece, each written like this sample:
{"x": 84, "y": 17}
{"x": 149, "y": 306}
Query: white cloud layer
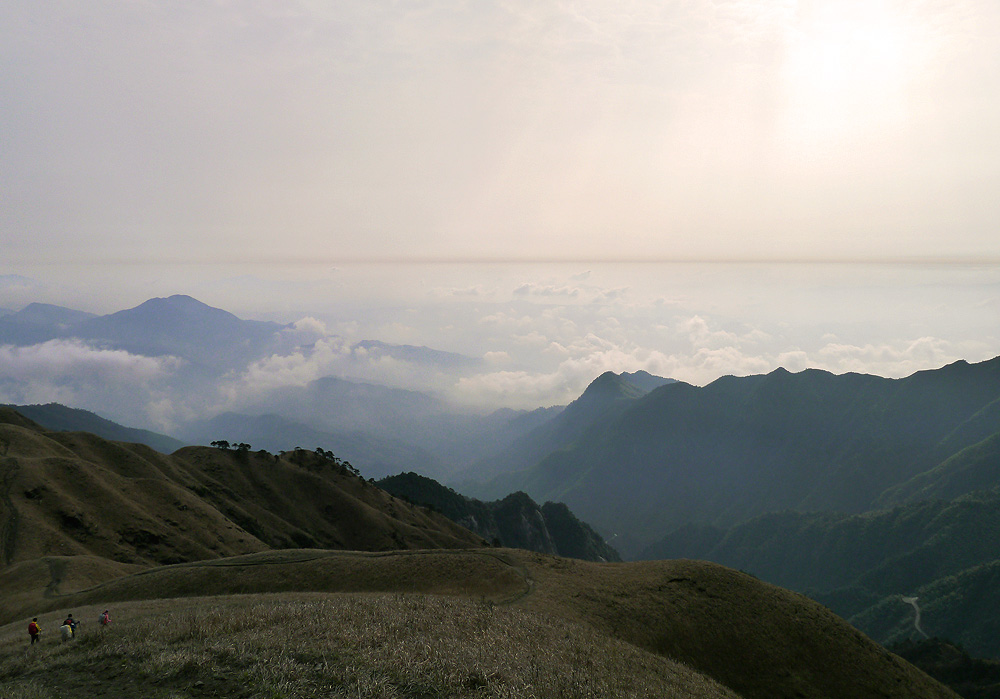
{"x": 109, "y": 382}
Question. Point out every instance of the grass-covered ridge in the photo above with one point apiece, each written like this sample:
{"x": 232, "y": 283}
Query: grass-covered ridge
{"x": 711, "y": 625}
{"x": 345, "y": 645}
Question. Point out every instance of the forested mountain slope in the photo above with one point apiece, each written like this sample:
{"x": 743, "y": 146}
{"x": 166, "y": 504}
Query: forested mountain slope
{"x": 744, "y": 446}
{"x": 516, "y": 521}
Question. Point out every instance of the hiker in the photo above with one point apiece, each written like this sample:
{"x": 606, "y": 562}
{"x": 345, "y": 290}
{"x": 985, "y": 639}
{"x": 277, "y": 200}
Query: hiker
{"x": 34, "y": 630}
{"x": 104, "y": 619}
{"x": 71, "y": 623}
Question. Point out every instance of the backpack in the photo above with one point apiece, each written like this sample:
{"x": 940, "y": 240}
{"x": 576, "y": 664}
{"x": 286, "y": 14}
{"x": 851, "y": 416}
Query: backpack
{"x": 33, "y": 629}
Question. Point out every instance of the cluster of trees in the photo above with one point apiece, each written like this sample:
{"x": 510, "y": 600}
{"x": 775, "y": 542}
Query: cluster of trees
{"x": 337, "y": 461}
{"x": 243, "y": 449}
{"x": 223, "y": 444}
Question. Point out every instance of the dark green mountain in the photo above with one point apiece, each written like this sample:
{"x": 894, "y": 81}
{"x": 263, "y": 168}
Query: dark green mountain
{"x": 972, "y": 678}
{"x": 862, "y": 565}
{"x": 975, "y": 467}
{"x": 59, "y": 418}
{"x": 964, "y": 607}
{"x": 645, "y": 381}
{"x": 741, "y": 447}
{"x": 603, "y": 400}
{"x": 516, "y": 521}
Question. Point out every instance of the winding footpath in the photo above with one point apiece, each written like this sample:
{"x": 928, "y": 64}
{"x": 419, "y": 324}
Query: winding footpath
{"x": 8, "y": 518}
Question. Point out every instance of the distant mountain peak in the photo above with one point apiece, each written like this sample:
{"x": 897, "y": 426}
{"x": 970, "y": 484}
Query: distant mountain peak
{"x": 645, "y": 381}
{"x": 610, "y": 385}
{"x": 48, "y": 315}
{"x": 181, "y": 302}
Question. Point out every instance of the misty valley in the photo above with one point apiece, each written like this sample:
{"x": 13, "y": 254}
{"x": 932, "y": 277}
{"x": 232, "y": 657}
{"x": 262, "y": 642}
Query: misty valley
{"x": 848, "y": 506}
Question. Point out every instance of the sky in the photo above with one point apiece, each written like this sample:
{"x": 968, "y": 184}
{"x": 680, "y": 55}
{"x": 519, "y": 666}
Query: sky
{"x": 149, "y": 131}
{"x": 694, "y": 188}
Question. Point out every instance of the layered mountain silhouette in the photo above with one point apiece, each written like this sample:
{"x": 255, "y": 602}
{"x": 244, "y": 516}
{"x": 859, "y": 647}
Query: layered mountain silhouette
{"x": 740, "y": 447}
{"x": 60, "y": 418}
{"x": 38, "y": 322}
{"x": 389, "y": 429}
{"x": 417, "y": 354}
{"x": 178, "y": 326}
{"x": 404, "y": 430}
{"x": 516, "y": 521}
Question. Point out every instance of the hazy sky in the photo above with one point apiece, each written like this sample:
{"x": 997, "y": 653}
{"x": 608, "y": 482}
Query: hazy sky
{"x": 146, "y": 130}
{"x": 259, "y": 155}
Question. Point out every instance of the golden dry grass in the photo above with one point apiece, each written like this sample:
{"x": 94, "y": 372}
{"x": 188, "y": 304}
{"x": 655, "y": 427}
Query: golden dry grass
{"x": 759, "y": 640}
{"x": 342, "y": 645}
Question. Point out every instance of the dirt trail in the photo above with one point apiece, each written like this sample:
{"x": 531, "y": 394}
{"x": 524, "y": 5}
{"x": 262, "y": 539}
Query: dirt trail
{"x": 57, "y": 571}
{"x": 280, "y": 558}
{"x": 8, "y": 518}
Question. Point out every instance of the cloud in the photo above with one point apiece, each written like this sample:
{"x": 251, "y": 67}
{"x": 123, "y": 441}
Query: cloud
{"x": 305, "y": 331}
{"x": 325, "y": 357}
{"x": 63, "y": 360}
{"x": 546, "y": 290}
{"x": 701, "y": 334}
{"x": 609, "y": 295}
{"x": 113, "y": 383}
{"x": 476, "y": 290}
{"x": 895, "y": 360}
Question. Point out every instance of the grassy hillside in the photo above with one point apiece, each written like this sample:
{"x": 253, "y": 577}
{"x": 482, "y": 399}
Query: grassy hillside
{"x": 71, "y": 494}
{"x": 302, "y": 645}
{"x": 947, "y": 663}
{"x": 496, "y": 623}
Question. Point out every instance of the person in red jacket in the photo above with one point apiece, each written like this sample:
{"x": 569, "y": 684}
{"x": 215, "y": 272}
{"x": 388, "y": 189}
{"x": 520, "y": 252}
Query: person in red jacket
{"x": 34, "y": 630}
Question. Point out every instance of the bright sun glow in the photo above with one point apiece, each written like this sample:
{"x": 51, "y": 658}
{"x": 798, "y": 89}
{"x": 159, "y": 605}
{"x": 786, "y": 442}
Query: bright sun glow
{"x": 846, "y": 71}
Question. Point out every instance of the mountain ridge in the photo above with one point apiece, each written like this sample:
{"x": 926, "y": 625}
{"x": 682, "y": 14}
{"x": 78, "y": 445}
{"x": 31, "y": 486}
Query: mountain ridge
{"x": 742, "y": 446}
{"x": 516, "y": 521}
